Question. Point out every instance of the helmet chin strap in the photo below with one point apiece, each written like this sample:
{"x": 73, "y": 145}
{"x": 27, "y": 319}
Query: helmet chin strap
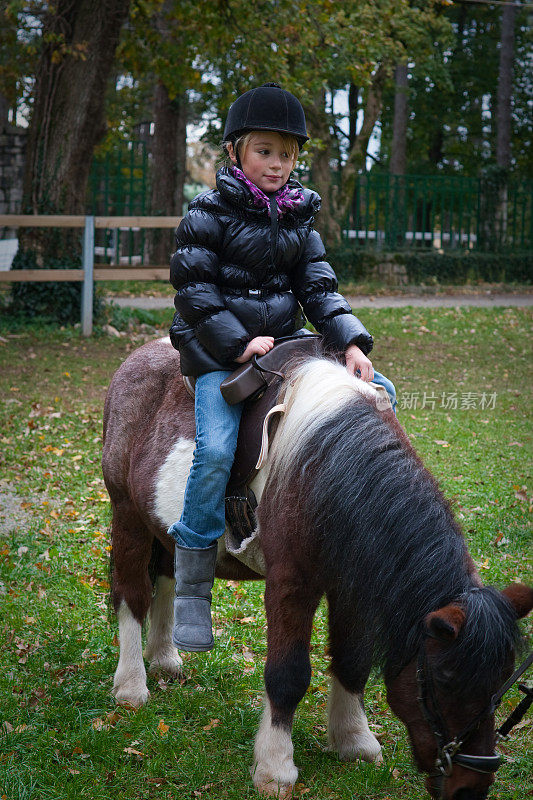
{"x": 236, "y": 154}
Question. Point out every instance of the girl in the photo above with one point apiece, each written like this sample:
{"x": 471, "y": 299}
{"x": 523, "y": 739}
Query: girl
{"x": 247, "y": 258}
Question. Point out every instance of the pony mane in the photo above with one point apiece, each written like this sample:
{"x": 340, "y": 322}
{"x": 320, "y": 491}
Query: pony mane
{"x": 386, "y": 539}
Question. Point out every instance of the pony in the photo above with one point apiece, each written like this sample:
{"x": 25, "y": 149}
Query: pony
{"x": 346, "y": 510}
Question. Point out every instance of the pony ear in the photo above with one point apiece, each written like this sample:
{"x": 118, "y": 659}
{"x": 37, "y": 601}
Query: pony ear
{"x": 445, "y": 623}
{"x": 521, "y": 598}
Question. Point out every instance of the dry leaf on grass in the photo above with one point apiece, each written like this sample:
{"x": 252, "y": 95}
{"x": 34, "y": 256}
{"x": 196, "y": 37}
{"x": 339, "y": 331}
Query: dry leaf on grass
{"x": 132, "y": 751}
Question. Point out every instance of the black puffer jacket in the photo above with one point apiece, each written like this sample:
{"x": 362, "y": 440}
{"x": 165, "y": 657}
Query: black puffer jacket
{"x": 240, "y": 273}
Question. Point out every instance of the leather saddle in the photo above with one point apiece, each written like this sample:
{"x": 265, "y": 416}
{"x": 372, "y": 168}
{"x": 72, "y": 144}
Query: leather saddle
{"x": 257, "y": 383}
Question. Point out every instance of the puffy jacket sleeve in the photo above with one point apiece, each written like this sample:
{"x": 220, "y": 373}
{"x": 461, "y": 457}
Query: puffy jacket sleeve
{"x": 193, "y": 273}
{"x": 315, "y": 285}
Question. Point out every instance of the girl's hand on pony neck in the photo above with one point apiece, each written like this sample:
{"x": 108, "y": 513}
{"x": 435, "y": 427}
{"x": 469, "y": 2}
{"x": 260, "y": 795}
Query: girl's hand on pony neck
{"x": 356, "y": 360}
{"x": 258, "y": 346}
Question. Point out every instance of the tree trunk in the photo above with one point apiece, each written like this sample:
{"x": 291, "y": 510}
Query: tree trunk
{"x": 357, "y": 158}
{"x": 505, "y": 87}
{"x": 327, "y": 222}
{"x": 503, "y": 116}
{"x": 353, "y": 111}
{"x": 79, "y": 42}
{"x": 399, "y": 131}
{"x": 169, "y": 166}
{"x": 4, "y": 112}
{"x": 398, "y": 162}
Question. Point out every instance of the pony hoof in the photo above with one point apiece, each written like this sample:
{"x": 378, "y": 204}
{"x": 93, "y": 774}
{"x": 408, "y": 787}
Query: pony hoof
{"x": 170, "y": 664}
{"x": 281, "y": 791}
{"x": 131, "y": 696}
{"x": 366, "y": 748}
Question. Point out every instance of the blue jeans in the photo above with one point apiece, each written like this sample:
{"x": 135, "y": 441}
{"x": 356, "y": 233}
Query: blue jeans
{"x": 203, "y": 518}
{"x": 217, "y": 427}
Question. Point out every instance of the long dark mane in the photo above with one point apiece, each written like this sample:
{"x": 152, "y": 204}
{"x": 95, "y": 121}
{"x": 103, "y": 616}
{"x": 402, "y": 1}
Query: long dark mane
{"x": 388, "y": 541}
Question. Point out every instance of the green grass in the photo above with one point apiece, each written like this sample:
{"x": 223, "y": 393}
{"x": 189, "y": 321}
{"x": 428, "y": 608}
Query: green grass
{"x": 63, "y": 737}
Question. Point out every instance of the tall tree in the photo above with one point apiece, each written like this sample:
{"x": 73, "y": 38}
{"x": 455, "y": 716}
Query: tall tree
{"x": 78, "y": 47}
{"x": 398, "y": 158}
{"x": 78, "y": 44}
{"x": 452, "y": 124}
{"x": 505, "y": 86}
{"x": 169, "y": 161}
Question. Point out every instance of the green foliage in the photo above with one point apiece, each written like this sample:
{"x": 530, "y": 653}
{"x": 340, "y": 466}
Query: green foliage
{"x": 453, "y": 94}
{"x": 20, "y": 43}
{"x": 58, "y": 302}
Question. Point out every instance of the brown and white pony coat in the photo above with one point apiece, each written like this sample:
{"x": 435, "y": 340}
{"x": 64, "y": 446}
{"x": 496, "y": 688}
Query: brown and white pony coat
{"x": 346, "y": 510}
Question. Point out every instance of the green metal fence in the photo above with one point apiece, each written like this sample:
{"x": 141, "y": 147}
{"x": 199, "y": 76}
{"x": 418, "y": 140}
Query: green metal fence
{"x": 390, "y": 212}
{"x": 118, "y": 186}
{"x": 440, "y": 212}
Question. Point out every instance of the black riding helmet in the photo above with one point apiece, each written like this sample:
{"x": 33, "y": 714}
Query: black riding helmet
{"x": 267, "y": 108}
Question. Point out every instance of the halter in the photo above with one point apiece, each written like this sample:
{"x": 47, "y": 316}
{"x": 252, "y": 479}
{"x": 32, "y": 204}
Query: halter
{"x": 448, "y": 748}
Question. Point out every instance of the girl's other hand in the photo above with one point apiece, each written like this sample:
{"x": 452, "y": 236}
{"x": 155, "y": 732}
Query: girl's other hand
{"x": 258, "y": 346}
{"x": 356, "y": 360}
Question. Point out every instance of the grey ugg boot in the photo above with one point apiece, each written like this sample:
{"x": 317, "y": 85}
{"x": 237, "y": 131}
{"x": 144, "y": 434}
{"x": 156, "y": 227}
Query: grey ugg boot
{"x": 194, "y": 569}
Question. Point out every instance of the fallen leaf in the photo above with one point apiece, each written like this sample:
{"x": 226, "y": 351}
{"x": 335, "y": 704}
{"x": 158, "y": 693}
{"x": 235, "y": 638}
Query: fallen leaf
{"x": 162, "y": 728}
{"x": 132, "y": 752}
{"x": 211, "y": 724}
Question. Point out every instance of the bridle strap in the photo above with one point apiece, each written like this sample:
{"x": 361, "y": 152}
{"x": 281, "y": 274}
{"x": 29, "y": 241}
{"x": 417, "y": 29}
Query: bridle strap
{"x": 516, "y": 715}
{"x": 519, "y": 671}
{"x": 448, "y": 754}
{"x": 483, "y": 764}
{"x": 427, "y": 691}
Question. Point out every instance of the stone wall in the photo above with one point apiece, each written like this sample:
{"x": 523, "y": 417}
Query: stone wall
{"x": 389, "y": 271}
{"x": 12, "y": 155}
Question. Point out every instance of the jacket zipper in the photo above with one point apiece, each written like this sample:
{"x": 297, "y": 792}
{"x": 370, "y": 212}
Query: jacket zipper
{"x": 273, "y": 228}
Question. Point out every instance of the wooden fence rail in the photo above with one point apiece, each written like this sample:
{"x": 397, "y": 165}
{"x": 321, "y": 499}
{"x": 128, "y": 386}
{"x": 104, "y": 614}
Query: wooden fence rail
{"x": 87, "y": 274}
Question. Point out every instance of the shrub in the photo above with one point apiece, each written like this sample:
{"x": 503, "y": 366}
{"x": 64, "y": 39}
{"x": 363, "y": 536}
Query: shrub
{"x": 52, "y": 301}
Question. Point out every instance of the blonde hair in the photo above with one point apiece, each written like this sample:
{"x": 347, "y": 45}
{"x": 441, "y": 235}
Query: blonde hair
{"x": 290, "y": 143}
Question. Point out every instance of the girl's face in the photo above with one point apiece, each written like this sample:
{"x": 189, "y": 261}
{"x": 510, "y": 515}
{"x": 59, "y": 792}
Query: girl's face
{"x": 265, "y": 161}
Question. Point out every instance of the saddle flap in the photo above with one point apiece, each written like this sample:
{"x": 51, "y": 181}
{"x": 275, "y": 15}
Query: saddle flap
{"x": 254, "y": 376}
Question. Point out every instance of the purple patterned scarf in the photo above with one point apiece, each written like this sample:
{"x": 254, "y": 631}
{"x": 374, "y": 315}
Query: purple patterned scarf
{"x": 286, "y": 199}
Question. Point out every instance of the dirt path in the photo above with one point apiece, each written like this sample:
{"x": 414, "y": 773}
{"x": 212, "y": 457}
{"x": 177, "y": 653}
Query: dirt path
{"x": 488, "y": 300}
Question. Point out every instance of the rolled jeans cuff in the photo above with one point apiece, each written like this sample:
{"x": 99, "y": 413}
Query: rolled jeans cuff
{"x": 186, "y": 537}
